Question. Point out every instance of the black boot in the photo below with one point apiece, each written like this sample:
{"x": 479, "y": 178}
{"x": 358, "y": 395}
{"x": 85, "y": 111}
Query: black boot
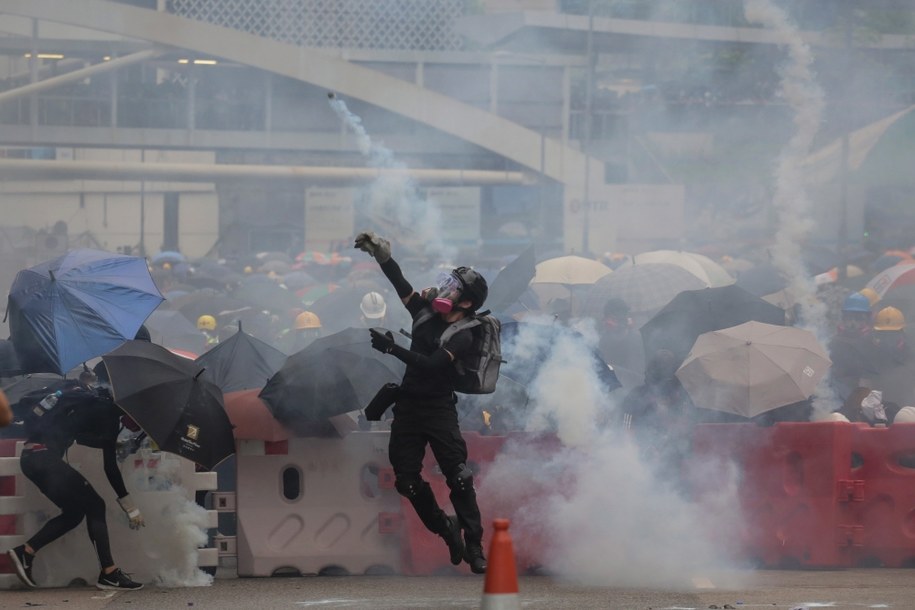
{"x": 452, "y": 536}
{"x": 473, "y": 555}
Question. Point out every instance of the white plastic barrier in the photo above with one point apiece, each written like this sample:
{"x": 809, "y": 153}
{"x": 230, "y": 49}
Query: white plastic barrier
{"x": 311, "y": 504}
{"x": 165, "y": 551}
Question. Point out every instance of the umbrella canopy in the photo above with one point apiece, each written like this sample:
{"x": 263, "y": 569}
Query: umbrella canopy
{"x": 753, "y": 368}
{"x": 333, "y": 375}
{"x": 204, "y": 301}
{"x": 644, "y": 288}
{"x": 297, "y": 280}
{"x": 339, "y": 309}
{"x": 251, "y": 419}
{"x": 266, "y": 295}
{"x": 78, "y": 306}
{"x": 897, "y": 275}
{"x": 15, "y": 390}
{"x": 171, "y": 329}
{"x": 165, "y": 395}
{"x": 694, "y": 312}
{"x": 569, "y": 271}
{"x": 699, "y": 265}
{"x": 762, "y": 280}
{"x": 241, "y": 362}
{"x": 512, "y": 281}
{"x": 167, "y": 256}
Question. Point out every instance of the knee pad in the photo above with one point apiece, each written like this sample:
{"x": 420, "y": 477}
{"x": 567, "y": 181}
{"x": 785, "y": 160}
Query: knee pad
{"x": 409, "y": 486}
{"x": 462, "y": 480}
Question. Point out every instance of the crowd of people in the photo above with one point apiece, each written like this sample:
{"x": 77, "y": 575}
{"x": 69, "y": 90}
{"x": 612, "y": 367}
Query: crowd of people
{"x": 291, "y": 303}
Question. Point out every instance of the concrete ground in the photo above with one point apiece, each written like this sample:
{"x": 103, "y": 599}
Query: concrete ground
{"x": 763, "y": 589}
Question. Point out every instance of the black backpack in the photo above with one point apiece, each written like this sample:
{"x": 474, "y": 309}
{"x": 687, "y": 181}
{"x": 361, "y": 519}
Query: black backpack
{"x": 476, "y": 371}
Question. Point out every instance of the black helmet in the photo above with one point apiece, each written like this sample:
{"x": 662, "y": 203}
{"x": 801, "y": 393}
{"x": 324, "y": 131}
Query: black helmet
{"x": 474, "y": 286}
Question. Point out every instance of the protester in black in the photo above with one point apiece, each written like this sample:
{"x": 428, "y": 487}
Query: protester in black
{"x": 74, "y": 412}
{"x": 425, "y": 408}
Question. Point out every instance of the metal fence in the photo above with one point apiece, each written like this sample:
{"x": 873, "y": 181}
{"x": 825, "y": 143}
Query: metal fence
{"x": 424, "y": 25}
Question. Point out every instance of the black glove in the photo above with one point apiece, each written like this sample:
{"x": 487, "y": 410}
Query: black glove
{"x": 382, "y": 340}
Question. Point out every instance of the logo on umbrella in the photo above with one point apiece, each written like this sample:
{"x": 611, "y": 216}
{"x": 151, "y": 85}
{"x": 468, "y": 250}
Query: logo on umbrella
{"x": 193, "y": 432}
{"x": 808, "y": 371}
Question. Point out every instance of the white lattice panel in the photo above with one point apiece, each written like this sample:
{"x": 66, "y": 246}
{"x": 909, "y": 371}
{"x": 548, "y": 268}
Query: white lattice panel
{"x": 368, "y": 24}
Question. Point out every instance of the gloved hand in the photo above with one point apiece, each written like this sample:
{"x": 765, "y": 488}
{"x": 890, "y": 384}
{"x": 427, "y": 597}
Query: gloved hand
{"x": 378, "y": 247}
{"x": 133, "y": 513}
{"x": 382, "y": 340}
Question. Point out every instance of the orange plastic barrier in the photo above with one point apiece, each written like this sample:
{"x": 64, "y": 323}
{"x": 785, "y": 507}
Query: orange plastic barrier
{"x": 796, "y": 490}
{"x": 884, "y": 463}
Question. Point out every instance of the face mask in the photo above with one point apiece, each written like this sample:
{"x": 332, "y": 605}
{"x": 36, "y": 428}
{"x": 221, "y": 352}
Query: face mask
{"x": 444, "y": 294}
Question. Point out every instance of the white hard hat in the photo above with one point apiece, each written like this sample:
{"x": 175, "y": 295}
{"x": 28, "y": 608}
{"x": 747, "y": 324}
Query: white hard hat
{"x": 373, "y": 306}
{"x": 906, "y": 415}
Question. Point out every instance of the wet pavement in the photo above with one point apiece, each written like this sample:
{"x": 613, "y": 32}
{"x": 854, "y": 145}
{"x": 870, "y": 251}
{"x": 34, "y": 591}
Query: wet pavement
{"x": 763, "y": 589}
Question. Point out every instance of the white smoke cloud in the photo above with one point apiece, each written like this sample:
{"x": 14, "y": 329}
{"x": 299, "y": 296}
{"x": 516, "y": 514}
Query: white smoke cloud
{"x": 175, "y": 525}
{"x": 795, "y": 218}
{"x": 393, "y": 197}
{"x": 595, "y": 510}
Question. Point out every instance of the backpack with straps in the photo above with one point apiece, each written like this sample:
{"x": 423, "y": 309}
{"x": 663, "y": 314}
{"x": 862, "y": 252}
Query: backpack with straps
{"x": 477, "y": 371}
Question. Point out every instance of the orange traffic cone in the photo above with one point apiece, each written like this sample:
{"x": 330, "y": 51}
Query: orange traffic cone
{"x": 500, "y": 590}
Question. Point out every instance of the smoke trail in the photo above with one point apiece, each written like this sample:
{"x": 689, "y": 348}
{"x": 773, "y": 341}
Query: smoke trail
{"x": 596, "y": 510}
{"x": 393, "y": 197}
{"x": 175, "y": 526}
{"x": 792, "y": 205}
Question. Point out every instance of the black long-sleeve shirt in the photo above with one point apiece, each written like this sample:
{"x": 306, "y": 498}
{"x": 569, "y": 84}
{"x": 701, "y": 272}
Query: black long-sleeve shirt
{"x": 84, "y": 417}
{"x": 431, "y": 377}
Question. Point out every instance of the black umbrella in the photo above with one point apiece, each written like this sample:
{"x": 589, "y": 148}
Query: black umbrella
{"x": 241, "y": 362}
{"x": 512, "y": 280}
{"x": 762, "y": 280}
{"x": 266, "y": 295}
{"x": 339, "y": 309}
{"x": 333, "y": 375}
{"x": 172, "y": 329}
{"x": 165, "y": 395}
{"x": 694, "y": 312}
{"x": 18, "y": 388}
{"x": 205, "y": 301}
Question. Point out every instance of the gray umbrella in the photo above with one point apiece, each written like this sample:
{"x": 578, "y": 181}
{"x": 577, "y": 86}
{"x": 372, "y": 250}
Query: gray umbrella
{"x": 753, "y": 368}
{"x": 644, "y": 288}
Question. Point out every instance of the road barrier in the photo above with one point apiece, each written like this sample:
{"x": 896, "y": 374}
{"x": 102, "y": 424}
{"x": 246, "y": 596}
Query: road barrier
{"x": 162, "y": 486}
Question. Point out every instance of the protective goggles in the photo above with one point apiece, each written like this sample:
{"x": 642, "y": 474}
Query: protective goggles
{"x": 445, "y": 294}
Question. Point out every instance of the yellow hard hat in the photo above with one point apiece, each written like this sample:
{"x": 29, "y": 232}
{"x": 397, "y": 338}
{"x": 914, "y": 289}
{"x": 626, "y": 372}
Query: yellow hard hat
{"x": 871, "y": 294}
{"x": 166, "y": 265}
{"x": 889, "y": 318}
{"x": 249, "y": 269}
{"x": 306, "y": 319}
{"x": 206, "y": 322}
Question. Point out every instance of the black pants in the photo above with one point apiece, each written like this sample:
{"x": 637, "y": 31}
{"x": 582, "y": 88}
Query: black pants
{"x": 70, "y": 491}
{"x": 414, "y": 426}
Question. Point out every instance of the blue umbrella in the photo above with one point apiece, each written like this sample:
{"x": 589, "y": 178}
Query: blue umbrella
{"x": 78, "y": 306}
{"x": 167, "y": 256}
